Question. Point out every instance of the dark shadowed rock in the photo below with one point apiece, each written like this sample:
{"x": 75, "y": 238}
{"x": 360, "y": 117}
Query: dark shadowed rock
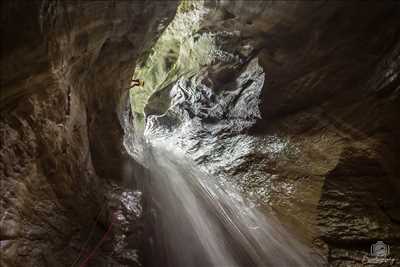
{"x": 64, "y": 65}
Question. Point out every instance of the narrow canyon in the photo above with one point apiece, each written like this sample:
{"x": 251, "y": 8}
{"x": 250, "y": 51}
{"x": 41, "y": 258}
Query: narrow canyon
{"x": 199, "y": 133}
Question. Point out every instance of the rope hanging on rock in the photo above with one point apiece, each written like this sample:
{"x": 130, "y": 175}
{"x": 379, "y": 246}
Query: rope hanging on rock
{"x": 83, "y": 264}
{"x": 90, "y": 236}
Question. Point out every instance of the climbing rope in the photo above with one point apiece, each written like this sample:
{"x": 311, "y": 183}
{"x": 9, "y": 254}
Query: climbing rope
{"x": 83, "y": 264}
{"x": 89, "y": 237}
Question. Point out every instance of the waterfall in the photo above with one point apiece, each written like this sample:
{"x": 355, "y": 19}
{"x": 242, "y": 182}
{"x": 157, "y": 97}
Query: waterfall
{"x": 192, "y": 221}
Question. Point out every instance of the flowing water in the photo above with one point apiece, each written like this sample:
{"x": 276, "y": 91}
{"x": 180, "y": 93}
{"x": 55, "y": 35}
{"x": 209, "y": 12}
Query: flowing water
{"x": 192, "y": 221}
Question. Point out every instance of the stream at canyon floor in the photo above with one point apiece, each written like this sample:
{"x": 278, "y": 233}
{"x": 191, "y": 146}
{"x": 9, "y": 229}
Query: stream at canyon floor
{"x": 194, "y": 221}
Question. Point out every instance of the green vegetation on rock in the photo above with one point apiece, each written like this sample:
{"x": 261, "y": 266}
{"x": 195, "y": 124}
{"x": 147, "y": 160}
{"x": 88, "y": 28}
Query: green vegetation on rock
{"x": 180, "y": 51}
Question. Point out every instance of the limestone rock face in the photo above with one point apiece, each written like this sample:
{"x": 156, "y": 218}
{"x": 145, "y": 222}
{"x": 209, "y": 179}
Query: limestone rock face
{"x": 324, "y": 157}
{"x": 209, "y": 110}
{"x": 64, "y": 67}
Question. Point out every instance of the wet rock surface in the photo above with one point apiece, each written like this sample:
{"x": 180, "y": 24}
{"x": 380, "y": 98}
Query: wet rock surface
{"x": 324, "y": 156}
{"x": 127, "y": 225}
{"x": 64, "y": 67}
{"x": 233, "y": 108}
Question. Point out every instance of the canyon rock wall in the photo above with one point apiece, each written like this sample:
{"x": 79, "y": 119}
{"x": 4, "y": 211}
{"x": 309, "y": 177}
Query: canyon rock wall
{"x": 324, "y": 154}
{"x": 64, "y": 67}
{"x": 299, "y": 110}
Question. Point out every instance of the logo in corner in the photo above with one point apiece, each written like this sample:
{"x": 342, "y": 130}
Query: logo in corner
{"x": 380, "y": 250}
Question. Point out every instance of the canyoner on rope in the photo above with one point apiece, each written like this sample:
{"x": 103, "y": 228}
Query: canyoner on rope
{"x": 134, "y": 83}
{"x": 137, "y": 82}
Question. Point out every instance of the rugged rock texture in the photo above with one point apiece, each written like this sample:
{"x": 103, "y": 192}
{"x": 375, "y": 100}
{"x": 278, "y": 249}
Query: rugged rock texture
{"x": 64, "y": 65}
{"x": 325, "y": 155}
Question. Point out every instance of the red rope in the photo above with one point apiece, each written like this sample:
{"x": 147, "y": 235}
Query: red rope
{"x": 83, "y": 264}
{"x": 83, "y": 248}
